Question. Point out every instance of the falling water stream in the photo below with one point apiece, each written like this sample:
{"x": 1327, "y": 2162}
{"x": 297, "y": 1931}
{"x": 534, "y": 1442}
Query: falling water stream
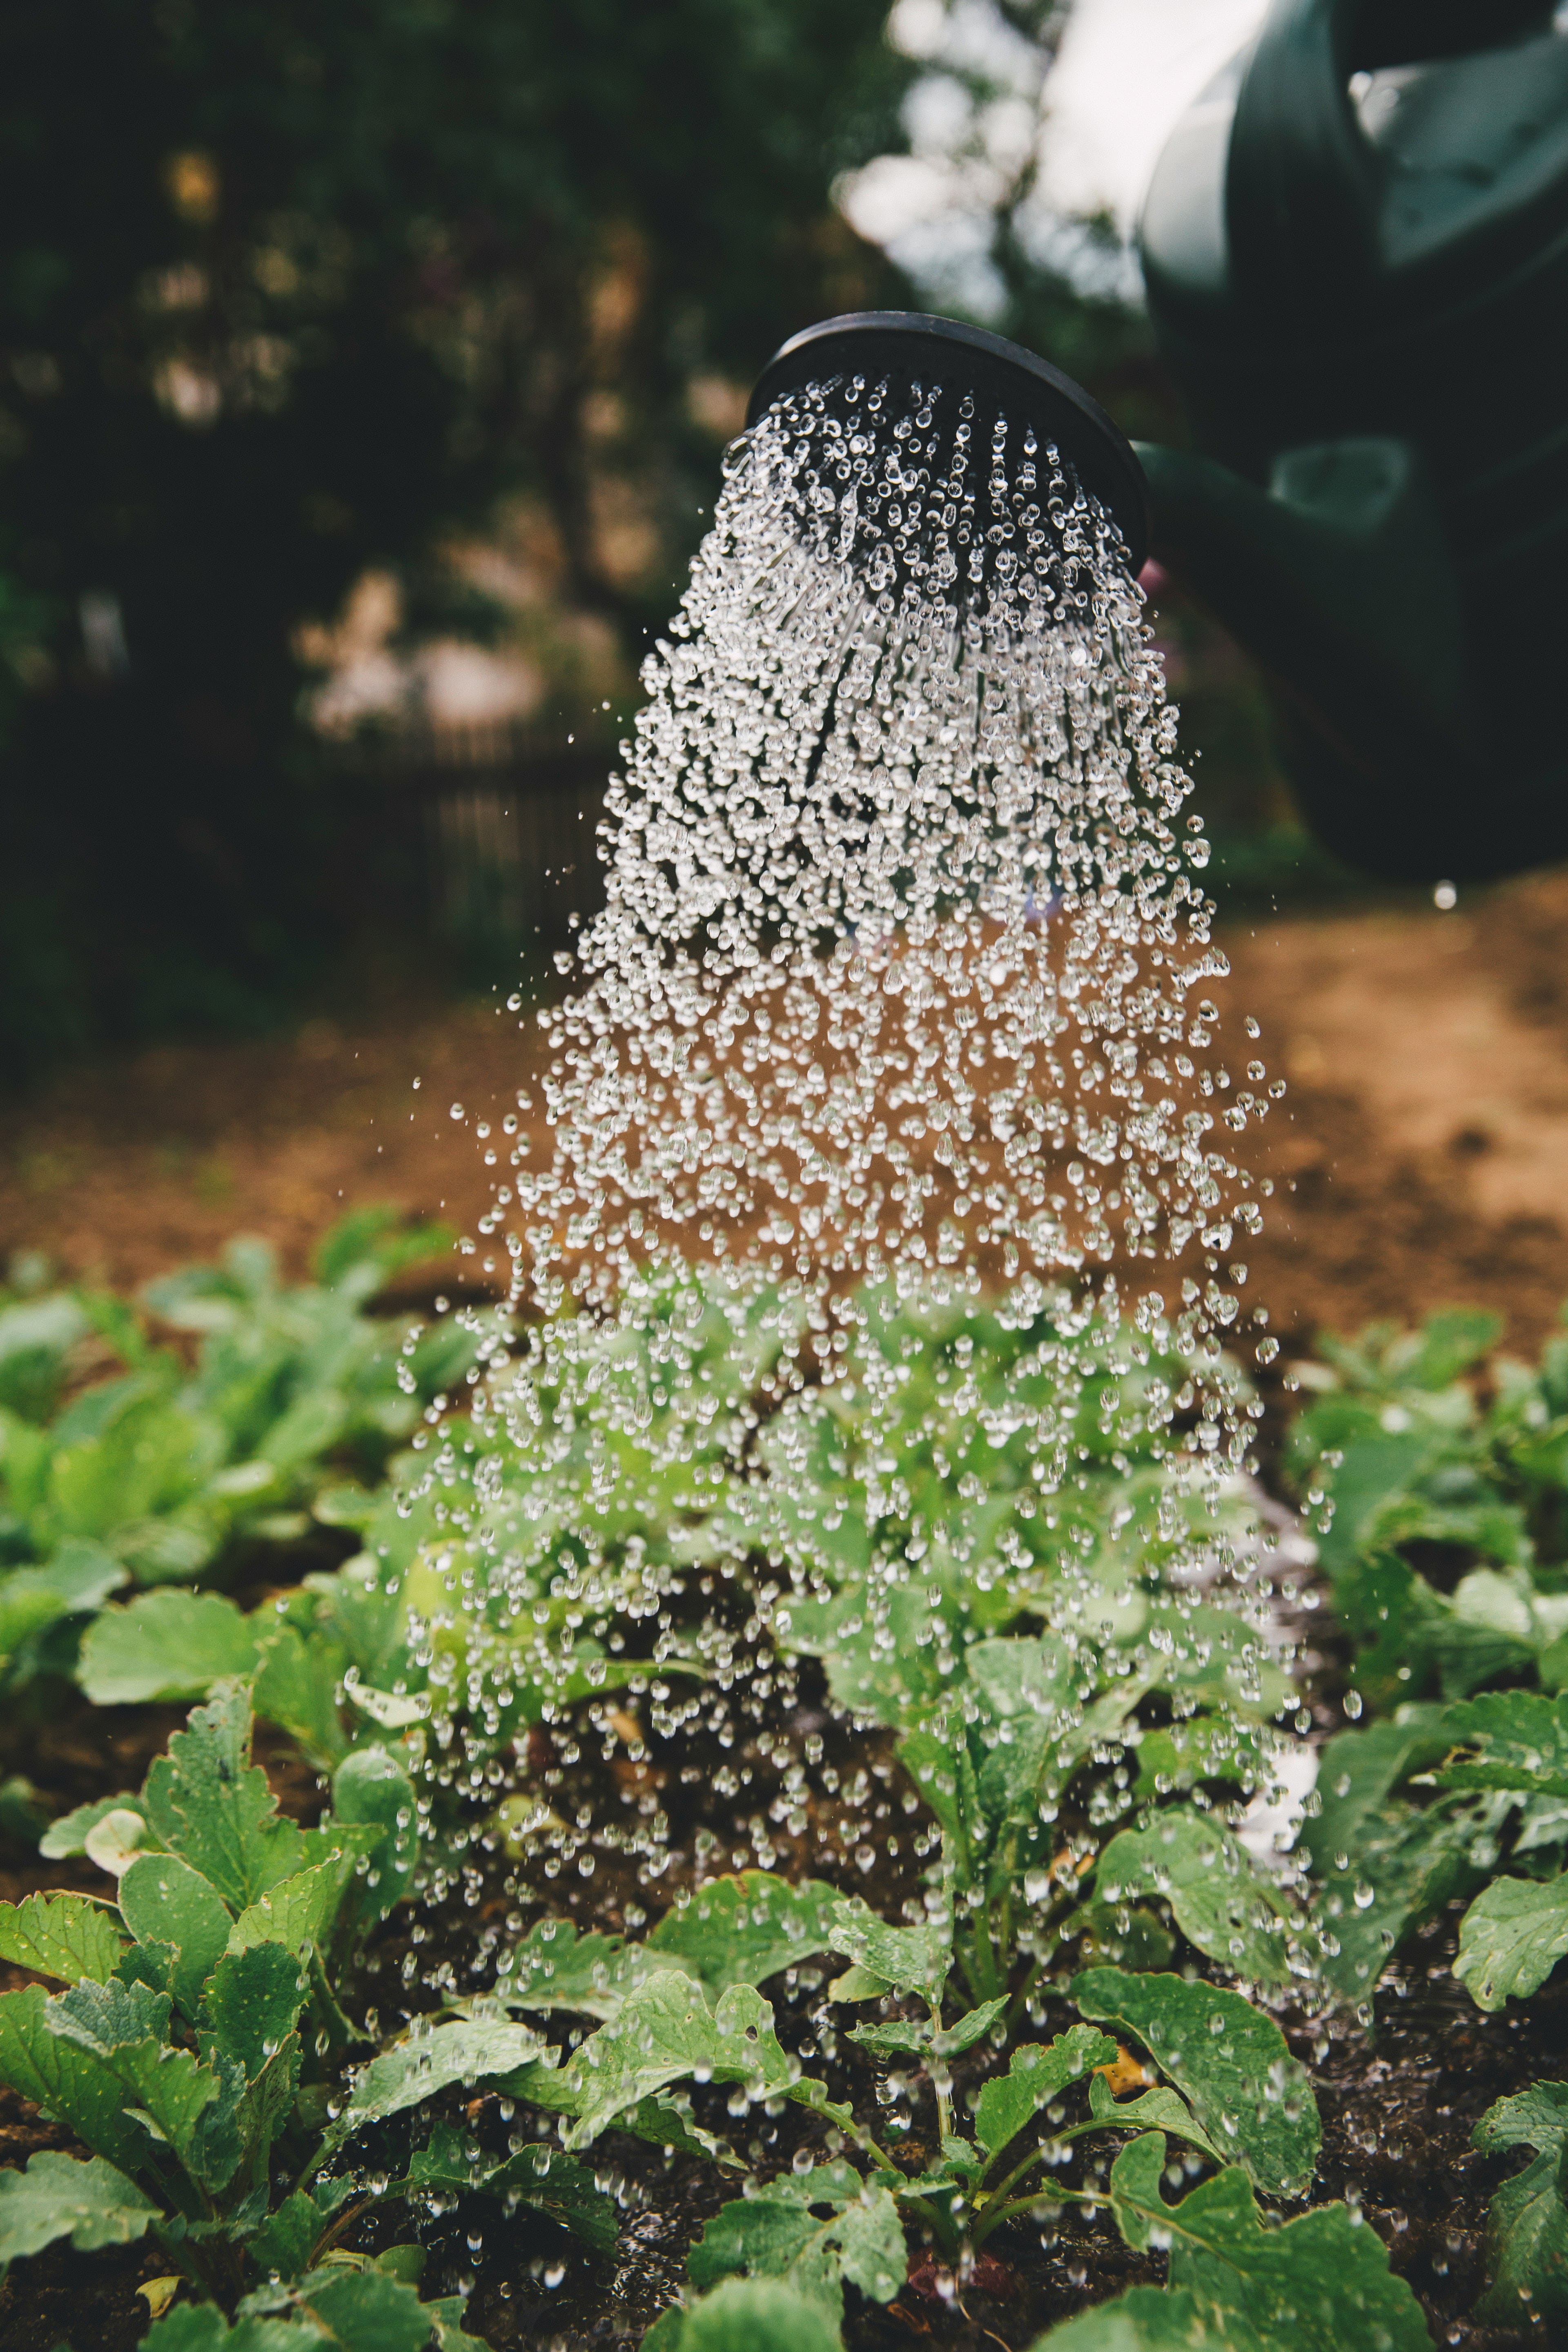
{"x": 900, "y": 1005}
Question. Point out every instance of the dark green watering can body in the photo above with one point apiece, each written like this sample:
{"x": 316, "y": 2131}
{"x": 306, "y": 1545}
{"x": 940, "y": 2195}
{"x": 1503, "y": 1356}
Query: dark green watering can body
{"x": 1355, "y": 246}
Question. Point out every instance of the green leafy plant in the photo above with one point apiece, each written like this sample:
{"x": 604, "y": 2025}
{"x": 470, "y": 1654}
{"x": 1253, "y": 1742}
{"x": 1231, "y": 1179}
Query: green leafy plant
{"x": 157, "y": 1475}
{"x": 683, "y": 2008}
{"x": 1526, "y": 2223}
{"x": 196, "y": 2006}
{"x": 1408, "y": 1461}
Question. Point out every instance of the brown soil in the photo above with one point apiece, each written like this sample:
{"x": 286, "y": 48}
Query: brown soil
{"x": 1420, "y": 1156}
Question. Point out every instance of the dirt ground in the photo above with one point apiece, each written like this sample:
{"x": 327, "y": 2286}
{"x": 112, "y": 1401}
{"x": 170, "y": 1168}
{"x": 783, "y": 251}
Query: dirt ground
{"x": 1420, "y": 1155}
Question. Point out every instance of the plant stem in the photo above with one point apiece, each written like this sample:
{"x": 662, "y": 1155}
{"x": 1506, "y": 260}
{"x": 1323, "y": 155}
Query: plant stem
{"x": 996, "y": 2215}
{"x": 942, "y": 2081}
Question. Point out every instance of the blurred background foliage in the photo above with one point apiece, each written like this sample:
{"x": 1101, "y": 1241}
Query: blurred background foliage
{"x": 342, "y": 348}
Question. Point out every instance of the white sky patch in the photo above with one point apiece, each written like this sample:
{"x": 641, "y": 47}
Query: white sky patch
{"x": 1126, "y": 71}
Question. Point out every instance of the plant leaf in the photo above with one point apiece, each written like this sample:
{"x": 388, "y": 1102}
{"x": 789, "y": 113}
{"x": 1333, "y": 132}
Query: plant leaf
{"x": 1527, "y": 2221}
{"x": 1318, "y": 2284}
{"x": 1160, "y": 2109}
{"x": 1036, "y": 2074}
{"x": 909, "y": 1959}
{"x": 416, "y": 2070}
{"x": 743, "y": 1929}
{"x": 916, "y": 2033}
{"x": 59, "y": 2196}
{"x": 253, "y": 2004}
{"x": 65, "y": 1935}
{"x": 164, "y": 1645}
{"x": 164, "y": 1900}
{"x": 371, "y": 1790}
{"x": 1413, "y": 1863}
{"x": 1151, "y": 2319}
{"x": 1218, "y": 1898}
{"x": 365, "y": 2311}
{"x": 1358, "y": 1772}
{"x": 540, "y": 2176}
{"x": 1520, "y": 1740}
{"x": 296, "y": 1913}
{"x": 1535, "y": 2118}
{"x": 553, "y": 1966}
{"x": 67, "y": 2080}
{"x": 760, "y": 2315}
{"x": 1512, "y": 1937}
{"x": 775, "y": 2234}
{"x": 209, "y": 1804}
{"x": 297, "y": 1688}
{"x": 664, "y": 2033}
{"x": 1229, "y": 2060}
{"x": 67, "y": 1835}
{"x": 125, "y": 2027}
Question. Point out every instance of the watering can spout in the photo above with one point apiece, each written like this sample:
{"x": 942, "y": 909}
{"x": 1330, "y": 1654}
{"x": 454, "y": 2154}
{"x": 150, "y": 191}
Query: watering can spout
{"x": 1336, "y": 579}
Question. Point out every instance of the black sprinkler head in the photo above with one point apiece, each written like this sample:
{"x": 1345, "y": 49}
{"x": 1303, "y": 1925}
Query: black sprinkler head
{"x": 908, "y": 347}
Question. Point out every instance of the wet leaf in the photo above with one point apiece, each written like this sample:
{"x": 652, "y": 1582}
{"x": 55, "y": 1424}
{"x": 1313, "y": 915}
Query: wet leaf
{"x": 164, "y": 1645}
{"x": 1527, "y": 2221}
{"x": 1160, "y": 2109}
{"x": 776, "y": 2234}
{"x": 666, "y": 2032}
{"x": 1218, "y": 1900}
{"x": 1318, "y": 2284}
{"x": 254, "y": 2003}
{"x": 1512, "y": 1739}
{"x": 366, "y": 2310}
{"x": 164, "y": 1900}
{"x": 67, "y": 2079}
{"x": 916, "y": 2033}
{"x": 553, "y": 1966}
{"x": 65, "y": 1935}
{"x": 417, "y": 2069}
{"x": 296, "y": 1913}
{"x": 126, "y": 2029}
{"x": 743, "y": 1929}
{"x": 93, "y": 2204}
{"x": 750, "y": 2315}
{"x": 909, "y": 1959}
{"x": 210, "y": 1805}
{"x": 1410, "y": 1863}
{"x": 67, "y": 1835}
{"x": 370, "y": 1789}
{"x": 540, "y": 2176}
{"x": 1036, "y": 2075}
{"x": 1229, "y": 2060}
{"x": 1151, "y": 2319}
{"x": 1512, "y": 1937}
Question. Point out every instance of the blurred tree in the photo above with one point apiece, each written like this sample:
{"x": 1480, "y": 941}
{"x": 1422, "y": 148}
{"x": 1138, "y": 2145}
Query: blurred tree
{"x": 289, "y": 290}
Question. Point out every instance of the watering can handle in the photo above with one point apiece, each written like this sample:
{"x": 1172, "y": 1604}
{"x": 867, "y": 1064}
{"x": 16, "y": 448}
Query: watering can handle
{"x": 1304, "y": 183}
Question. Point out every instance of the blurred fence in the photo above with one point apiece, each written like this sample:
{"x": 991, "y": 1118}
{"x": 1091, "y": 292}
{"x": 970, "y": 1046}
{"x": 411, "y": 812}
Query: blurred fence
{"x": 497, "y": 826}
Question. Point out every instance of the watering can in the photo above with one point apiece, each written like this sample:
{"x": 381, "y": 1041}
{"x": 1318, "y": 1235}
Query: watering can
{"x": 1355, "y": 247}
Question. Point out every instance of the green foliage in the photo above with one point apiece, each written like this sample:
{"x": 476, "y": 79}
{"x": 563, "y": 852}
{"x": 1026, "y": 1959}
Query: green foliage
{"x": 747, "y": 2315}
{"x": 1467, "y": 1797}
{"x": 779, "y": 2234}
{"x": 1400, "y": 1443}
{"x": 1319, "y": 2282}
{"x": 1228, "y": 2059}
{"x": 158, "y": 1475}
{"x": 59, "y": 2196}
{"x": 1219, "y": 1901}
{"x": 1527, "y": 2221}
{"x": 190, "y": 2020}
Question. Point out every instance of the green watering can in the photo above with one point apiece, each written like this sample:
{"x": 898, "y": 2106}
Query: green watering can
{"x": 1355, "y": 246}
